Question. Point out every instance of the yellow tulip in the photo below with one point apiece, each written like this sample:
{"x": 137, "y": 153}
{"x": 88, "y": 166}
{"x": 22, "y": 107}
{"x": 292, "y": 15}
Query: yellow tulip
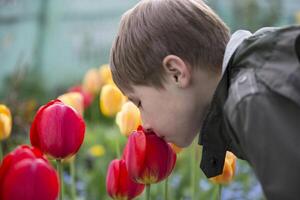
{"x": 128, "y": 118}
{"x": 228, "y": 170}
{"x": 97, "y": 150}
{"x": 175, "y": 148}
{"x": 73, "y": 99}
{"x": 5, "y": 122}
{"x": 297, "y": 17}
{"x": 92, "y": 81}
{"x": 111, "y": 100}
{"x": 105, "y": 74}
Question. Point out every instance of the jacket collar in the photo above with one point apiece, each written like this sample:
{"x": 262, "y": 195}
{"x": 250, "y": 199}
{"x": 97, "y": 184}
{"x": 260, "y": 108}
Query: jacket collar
{"x": 213, "y": 136}
{"x": 236, "y": 39}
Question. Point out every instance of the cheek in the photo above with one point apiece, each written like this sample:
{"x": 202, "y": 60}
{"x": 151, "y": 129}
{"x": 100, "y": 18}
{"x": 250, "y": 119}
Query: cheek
{"x": 160, "y": 122}
{"x": 166, "y": 119}
{"x": 167, "y": 125}
{"x": 184, "y": 127}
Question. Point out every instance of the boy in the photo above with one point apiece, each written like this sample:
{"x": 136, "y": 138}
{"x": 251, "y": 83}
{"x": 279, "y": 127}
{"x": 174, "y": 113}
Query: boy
{"x": 176, "y": 61}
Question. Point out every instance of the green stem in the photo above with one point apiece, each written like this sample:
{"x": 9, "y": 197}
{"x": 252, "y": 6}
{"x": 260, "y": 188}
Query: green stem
{"x": 1, "y": 152}
{"x": 193, "y": 170}
{"x": 61, "y": 179}
{"x": 166, "y": 189}
{"x": 148, "y": 192}
{"x": 73, "y": 183}
{"x": 94, "y": 111}
{"x": 118, "y": 147}
{"x": 220, "y": 191}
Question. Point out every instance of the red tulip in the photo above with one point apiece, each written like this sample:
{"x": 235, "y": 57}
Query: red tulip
{"x": 57, "y": 129}
{"x": 26, "y": 174}
{"x": 118, "y": 184}
{"x": 149, "y": 159}
{"x": 87, "y": 97}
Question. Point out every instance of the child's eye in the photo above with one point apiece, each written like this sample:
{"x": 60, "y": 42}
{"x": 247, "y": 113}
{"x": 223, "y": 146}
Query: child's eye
{"x": 139, "y": 104}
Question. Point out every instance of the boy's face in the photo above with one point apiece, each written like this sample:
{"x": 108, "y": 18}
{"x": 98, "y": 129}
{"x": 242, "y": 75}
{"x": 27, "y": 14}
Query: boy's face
{"x": 176, "y": 111}
{"x": 172, "y": 114}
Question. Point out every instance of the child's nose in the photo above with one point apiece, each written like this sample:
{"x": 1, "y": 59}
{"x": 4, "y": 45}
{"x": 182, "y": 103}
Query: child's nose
{"x": 146, "y": 127}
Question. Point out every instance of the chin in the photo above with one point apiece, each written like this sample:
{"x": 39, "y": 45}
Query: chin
{"x": 182, "y": 144}
{"x": 187, "y": 142}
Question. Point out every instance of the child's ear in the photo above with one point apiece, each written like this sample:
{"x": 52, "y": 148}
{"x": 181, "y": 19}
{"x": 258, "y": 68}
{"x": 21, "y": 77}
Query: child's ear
{"x": 177, "y": 70}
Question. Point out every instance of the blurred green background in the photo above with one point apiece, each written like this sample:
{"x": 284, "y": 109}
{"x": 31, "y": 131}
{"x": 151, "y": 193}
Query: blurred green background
{"x": 46, "y": 46}
{"x": 54, "y": 42}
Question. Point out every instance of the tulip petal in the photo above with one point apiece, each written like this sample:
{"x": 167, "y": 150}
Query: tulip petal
{"x": 10, "y": 166}
{"x": 57, "y": 123}
{"x": 128, "y": 187}
{"x": 149, "y": 159}
{"x": 105, "y": 74}
{"x": 135, "y": 157}
{"x": 118, "y": 183}
{"x": 92, "y": 81}
{"x": 5, "y": 122}
{"x": 122, "y": 179}
{"x": 58, "y": 130}
{"x": 34, "y": 136}
{"x": 5, "y": 126}
{"x": 160, "y": 158}
{"x": 228, "y": 170}
{"x": 112, "y": 178}
{"x": 87, "y": 97}
{"x": 31, "y": 179}
{"x": 19, "y": 154}
{"x": 171, "y": 160}
{"x": 111, "y": 100}
{"x": 128, "y": 118}
{"x": 73, "y": 99}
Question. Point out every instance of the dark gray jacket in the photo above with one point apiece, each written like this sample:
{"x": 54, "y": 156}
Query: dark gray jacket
{"x": 255, "y": 111}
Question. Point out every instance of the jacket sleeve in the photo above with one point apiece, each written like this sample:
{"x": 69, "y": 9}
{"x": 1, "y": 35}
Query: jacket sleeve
{"x": 268, "y": 128}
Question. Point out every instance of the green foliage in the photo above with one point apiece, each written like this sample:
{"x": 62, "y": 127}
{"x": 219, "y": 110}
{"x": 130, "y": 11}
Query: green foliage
{"x": 254, "y": 14}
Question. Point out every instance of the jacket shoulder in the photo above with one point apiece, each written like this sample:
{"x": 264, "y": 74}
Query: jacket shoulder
{"x": 243, "y": 85}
